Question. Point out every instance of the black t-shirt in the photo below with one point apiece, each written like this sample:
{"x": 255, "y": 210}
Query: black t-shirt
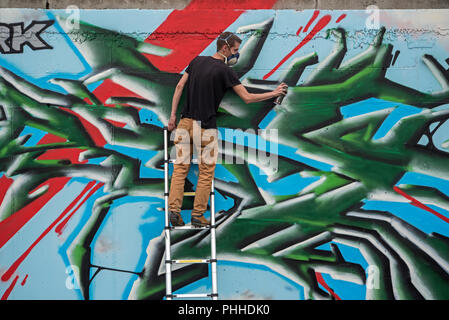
{"x": 208, "y": 81}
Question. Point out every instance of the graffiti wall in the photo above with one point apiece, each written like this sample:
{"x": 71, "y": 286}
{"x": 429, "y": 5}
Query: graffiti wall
{"x": 357, "y": 206}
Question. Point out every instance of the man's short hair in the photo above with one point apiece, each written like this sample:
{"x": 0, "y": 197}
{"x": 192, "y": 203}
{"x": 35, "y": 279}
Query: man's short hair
{"x": 230, "y": 37}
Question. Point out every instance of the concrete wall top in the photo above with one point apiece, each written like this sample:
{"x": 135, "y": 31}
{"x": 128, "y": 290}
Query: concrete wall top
{"x": 205, "y": 4}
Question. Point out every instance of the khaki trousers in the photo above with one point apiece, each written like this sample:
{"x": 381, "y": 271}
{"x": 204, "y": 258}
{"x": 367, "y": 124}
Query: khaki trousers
{"x": 190, "y": 135}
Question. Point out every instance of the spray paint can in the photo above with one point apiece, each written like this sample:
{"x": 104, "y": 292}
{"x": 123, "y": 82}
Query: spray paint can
{"x": 279, "y": 99}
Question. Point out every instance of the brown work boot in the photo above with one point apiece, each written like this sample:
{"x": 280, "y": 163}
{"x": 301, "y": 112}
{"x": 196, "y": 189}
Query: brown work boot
{"x": 176, "y": 219}
{"x": 200, "y": 221}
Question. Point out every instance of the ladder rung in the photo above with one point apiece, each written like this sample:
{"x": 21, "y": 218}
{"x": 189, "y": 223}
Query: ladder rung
{"x": 192, "y": 193}
{"x": 192, "y": 295}
{"x": 191, "y": 261}
{"x": 189, "y": 227}
{"x": 192, "y": 160}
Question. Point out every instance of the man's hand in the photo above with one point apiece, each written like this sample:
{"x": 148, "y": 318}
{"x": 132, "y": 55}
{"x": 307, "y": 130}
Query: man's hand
{"x": 172, "y": 122}
{"x": 280, "y": 90}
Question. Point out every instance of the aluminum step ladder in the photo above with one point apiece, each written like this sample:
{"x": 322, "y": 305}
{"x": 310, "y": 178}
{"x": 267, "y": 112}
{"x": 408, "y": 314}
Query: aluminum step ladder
{"x": 168, "y": 260}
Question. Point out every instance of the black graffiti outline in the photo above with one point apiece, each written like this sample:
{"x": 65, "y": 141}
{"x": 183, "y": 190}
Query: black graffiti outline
{"x": 7, "y": 41}
{"x": 10, "y": 26}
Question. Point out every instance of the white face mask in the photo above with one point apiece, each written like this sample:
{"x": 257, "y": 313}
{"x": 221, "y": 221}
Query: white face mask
{"x": 233, "y": 58}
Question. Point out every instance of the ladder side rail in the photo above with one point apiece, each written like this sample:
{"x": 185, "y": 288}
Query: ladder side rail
{"x": 168, "y": 281}
{"x": 213, "y": 243}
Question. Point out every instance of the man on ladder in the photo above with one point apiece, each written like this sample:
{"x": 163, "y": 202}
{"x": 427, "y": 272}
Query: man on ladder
{"x": 207, "y": 79}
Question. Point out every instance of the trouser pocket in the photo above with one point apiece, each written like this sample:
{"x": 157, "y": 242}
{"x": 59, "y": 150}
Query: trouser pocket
{"x": 183, "y": 142}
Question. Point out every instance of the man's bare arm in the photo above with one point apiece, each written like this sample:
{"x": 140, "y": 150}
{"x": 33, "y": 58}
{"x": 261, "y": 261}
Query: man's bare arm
{"x": 178, "y": 92}
{"x": 175, "y": 101}
{"x": 256, "y": 97}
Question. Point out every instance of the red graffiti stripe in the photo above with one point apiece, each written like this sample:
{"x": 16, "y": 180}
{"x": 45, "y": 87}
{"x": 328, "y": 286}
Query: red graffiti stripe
{"x": 76, "y": 200}
{"x": 312, "y": 19}
{"x": 50, "y": 138}
{"x": 318, "y": 27}
{"x": 9, "y": 290}
{"x": 420, "y": 205}
{"x": 194, "y": 28}
{"x": 320, "y": 279}
{"x": 5, "y": 183}
{"x": 93, "y": 131}
{"x": 7, "y": 275}
{"x": 71, "y": 154}
{"x": 16, "y": 221}
{"x": 24, "y": 281}
{"x": 108, "y": 88}
{"x": 341, "y": 17}
{"x": 61, "y": 226}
